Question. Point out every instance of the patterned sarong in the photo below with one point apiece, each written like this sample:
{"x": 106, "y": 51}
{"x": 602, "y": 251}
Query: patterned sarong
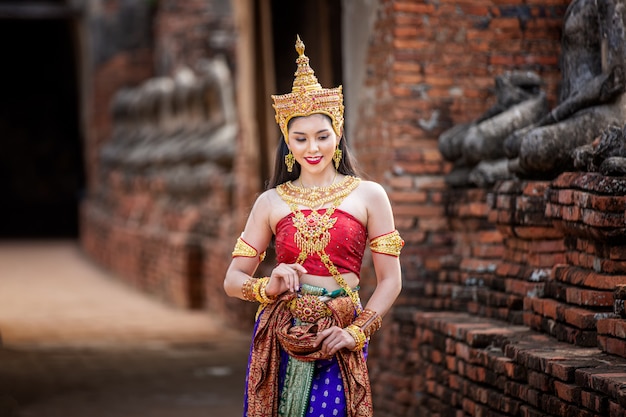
{"x": 337, "y": 386}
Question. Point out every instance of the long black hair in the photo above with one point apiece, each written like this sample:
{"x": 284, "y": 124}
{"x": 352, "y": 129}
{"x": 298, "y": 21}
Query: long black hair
{"x": 280, "y": 175}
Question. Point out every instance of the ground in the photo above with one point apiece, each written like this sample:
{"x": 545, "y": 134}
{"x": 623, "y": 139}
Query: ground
{"x": 79, "y": 342}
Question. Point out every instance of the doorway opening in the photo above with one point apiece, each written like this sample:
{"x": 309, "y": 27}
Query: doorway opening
{"x": 41, "y": 150}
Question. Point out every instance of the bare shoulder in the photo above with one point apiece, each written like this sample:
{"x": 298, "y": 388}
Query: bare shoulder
{"x": 271, "y": 207}
{"x": 266, "y": 201}
{"x": 378, "y": 207}
{"x": 263, "y": 201}
{"x": 373, "y": 190}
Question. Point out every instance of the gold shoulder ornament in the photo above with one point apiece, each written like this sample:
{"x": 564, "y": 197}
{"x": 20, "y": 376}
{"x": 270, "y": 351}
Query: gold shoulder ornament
{"x": 244, "y": 249}
{"x": 388, "y": 244}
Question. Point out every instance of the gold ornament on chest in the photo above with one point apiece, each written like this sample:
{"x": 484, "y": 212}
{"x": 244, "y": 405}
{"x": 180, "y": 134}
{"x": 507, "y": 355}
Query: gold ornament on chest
{"x": 313, "y": 231}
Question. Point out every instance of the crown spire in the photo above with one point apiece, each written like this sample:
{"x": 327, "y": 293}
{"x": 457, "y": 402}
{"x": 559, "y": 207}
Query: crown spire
{"x": 305, "y": 76}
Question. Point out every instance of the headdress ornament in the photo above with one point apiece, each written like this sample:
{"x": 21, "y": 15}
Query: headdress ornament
{"x": 308, "y": 97}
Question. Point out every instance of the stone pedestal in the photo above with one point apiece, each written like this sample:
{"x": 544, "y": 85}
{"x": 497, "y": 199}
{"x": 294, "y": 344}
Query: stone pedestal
{"x": 467, "y": 272}
{"x": 531, "y": 245}
{"x": 585, "y": 299}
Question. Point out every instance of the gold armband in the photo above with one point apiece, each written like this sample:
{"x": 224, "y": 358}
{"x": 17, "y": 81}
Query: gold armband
{"x": 389, "y": 244}
{"x": 243, "y": 248}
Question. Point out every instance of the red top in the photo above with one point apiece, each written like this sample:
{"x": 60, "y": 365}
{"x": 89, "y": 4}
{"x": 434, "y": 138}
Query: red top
{"x": 347, "y": 244}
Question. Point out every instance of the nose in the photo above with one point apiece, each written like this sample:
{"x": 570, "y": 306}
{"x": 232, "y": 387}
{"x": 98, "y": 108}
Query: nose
{"x": 313, "y": 147}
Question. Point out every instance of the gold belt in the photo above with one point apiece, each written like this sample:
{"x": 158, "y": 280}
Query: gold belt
{"x": 309, "y": 308}
{"x": 310, "y": 304}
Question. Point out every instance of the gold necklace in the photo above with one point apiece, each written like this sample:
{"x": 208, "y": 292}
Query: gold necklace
{"x": 317, "y": 196}
{"x": 315, "y": 187}
{"x": 315, "y": 192}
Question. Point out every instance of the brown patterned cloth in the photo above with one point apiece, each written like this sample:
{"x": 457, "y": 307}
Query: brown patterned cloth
{"x": 275, "y": 330}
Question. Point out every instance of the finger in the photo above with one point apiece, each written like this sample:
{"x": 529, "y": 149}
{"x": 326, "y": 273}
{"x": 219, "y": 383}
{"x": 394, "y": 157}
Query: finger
{"x": 294, "y": 281}
{"x": 333, "y": 347}
{"x": 319, "y": 340}
{"x": 299, "y": 268}
{"x": 329, "y": 342}
{"x": 323, "y": 334}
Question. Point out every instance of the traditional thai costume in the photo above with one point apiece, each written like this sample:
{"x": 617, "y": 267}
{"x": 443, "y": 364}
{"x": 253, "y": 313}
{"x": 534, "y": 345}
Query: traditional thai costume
{"x": 287, "y": 374}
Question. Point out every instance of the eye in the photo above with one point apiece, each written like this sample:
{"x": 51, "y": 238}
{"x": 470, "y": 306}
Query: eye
{"x": 323, "y": 137}
{"x": 300, "y": 139}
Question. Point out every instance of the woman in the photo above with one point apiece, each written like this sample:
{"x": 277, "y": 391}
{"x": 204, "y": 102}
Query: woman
{"x": 308, "y": 352}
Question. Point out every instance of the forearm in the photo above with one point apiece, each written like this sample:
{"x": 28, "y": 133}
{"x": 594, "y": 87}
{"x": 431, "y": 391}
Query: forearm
{"x": 370, "y": 319}
{"x": 385, "y": 295}
{"x": 233, "y": 283}
{"x": 596, "y": 91}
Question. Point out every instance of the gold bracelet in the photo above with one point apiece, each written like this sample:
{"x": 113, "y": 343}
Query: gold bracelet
{"x": 358, "y": 336}
{"x": 263, "y": 298}
{"x": 247, "y": 289}
{"x": 256, "y": 288}
{"x": 369, "y": 321}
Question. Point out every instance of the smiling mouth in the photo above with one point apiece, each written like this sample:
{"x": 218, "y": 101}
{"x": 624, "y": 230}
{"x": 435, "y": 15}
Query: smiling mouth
{"x": 313, "y": 161}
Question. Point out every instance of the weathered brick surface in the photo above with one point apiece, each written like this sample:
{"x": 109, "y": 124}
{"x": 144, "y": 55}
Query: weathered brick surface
{"x": 430, "y": 66}
{"x": 155, "y": 246}
{"x": 556, "y": 257}
{"x": 493, "y": 368}
{"x": 594, "y": 270}
{"x": 589, "y": 206}
{"x": 532, "y": 245}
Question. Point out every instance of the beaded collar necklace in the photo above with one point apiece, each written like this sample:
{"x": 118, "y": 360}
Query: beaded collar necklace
{"x": 315, "y": 197}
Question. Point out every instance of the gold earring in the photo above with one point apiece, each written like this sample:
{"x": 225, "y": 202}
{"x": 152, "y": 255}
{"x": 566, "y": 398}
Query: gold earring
{"x": 289, "y": 161}
{"x": 337, "y": 157}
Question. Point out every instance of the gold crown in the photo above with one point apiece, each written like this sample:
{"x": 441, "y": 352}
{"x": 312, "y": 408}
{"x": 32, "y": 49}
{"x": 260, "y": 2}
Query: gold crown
{"x": 308, "y": 97}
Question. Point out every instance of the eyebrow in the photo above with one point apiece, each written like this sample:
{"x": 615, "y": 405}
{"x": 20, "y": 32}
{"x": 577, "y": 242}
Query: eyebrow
{"x": 319, "y": 131}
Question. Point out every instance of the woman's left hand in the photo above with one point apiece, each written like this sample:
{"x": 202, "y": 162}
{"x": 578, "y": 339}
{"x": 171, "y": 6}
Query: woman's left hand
{"x": 333, "y": 339}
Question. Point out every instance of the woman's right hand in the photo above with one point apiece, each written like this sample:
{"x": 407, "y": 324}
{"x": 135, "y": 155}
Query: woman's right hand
{"x": 285, "y": 277}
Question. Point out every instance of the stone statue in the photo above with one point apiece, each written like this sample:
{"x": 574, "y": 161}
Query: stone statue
{"x": 606, "y": 154}
{"x": 593, "y": 91}
{"x": 476, "y": 148}
{"x": 180, "y": 129}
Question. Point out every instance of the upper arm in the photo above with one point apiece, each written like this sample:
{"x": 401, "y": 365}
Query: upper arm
{"x": 380, "y": 221}
{"x": 379, "y": 213}
{"x": 257, "y": 233}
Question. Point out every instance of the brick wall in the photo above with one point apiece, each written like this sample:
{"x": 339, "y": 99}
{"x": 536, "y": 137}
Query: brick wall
{"x": 513, "y": 299}
{"x": 583, "y": 303}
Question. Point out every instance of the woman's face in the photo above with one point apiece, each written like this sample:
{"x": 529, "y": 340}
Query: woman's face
{"x": 312, "y": 141}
